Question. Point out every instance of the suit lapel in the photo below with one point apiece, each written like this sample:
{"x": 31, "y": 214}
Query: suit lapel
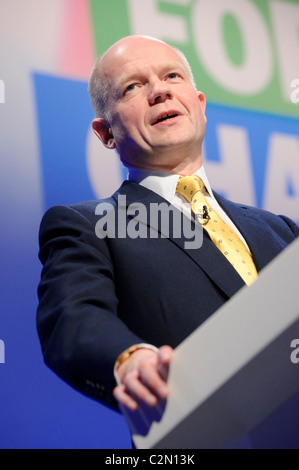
{"x": 254, "y": 230}
{"x": 208, "y": 257}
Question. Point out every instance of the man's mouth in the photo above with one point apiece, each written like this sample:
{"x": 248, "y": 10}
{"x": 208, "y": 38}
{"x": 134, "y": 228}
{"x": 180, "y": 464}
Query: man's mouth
{"x": 165, "y": 117}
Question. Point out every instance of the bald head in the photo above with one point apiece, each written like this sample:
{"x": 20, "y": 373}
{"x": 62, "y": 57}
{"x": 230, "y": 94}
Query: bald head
{"x": 99, "y": 82}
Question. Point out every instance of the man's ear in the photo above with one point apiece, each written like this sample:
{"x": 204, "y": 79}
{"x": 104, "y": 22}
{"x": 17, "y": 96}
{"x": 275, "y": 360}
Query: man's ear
{"x": 202, "y": 101}
{"x": 103, "y": 131}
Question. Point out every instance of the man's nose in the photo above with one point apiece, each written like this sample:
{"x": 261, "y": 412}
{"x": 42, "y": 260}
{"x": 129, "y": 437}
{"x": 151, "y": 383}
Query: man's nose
{"x": 159, "y": 92}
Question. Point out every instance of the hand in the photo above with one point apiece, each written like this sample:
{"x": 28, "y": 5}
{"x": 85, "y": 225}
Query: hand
{"x": 143, "y": 377}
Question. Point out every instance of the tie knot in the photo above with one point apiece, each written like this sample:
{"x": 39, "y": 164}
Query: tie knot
{"x": 188, "y": 186}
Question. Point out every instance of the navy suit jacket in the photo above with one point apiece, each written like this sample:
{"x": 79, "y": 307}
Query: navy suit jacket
{"x": 99, "y": 296}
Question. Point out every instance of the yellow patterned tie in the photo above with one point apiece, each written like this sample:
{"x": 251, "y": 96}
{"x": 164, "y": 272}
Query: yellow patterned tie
{"x": 220, "y": 233}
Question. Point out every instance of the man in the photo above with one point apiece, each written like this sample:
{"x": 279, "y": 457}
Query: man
{"x": 113, "y": 308}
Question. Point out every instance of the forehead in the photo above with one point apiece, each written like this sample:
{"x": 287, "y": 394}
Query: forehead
{"x": 135, "y": 56}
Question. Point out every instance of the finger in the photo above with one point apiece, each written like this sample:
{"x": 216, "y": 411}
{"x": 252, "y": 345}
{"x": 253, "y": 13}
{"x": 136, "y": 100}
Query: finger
{"x": 165, "y": 354}
{"x": 124, "y": 398}
{"x": 138, "y": 389}
{"x": 151, "y": 378}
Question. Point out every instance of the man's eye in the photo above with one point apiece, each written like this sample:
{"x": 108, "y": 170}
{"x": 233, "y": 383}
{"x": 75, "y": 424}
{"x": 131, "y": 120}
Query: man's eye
{"x": 130, "y": 87}
{"x": 173, "y": 75}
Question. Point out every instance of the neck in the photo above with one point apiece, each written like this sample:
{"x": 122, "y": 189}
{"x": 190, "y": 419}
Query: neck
{"x": 186, "y": 169}
{"x": 187, "y": 166}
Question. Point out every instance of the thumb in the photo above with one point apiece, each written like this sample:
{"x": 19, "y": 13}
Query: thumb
{"x": 165, "y": 354}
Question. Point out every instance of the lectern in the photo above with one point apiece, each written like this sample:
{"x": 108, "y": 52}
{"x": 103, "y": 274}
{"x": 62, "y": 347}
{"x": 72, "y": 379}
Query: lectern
{"x": 234, "y": 370}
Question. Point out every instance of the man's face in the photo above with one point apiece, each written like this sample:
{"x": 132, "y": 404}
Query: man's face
{"x": 156, "y": 115}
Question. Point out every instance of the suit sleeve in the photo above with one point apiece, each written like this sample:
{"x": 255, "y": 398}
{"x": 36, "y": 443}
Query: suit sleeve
{"x": 77, "y": 321}
{"x": 293, "y": 226}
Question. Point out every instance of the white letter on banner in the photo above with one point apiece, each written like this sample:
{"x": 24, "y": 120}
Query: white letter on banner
{"x": 2, "y": 354}
{"x": 147, "y": 20}
{"x": 101, "y": 162}
{"x": 232, "y": 176}
{"x": 285, "y": 17}
{"x": 294, "y": 97}
{"x": 254, "y": 74}
{"x": 282, "y": 176}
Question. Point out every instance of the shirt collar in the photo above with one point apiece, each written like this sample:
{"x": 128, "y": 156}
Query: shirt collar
{"x": 162, "y": 182}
